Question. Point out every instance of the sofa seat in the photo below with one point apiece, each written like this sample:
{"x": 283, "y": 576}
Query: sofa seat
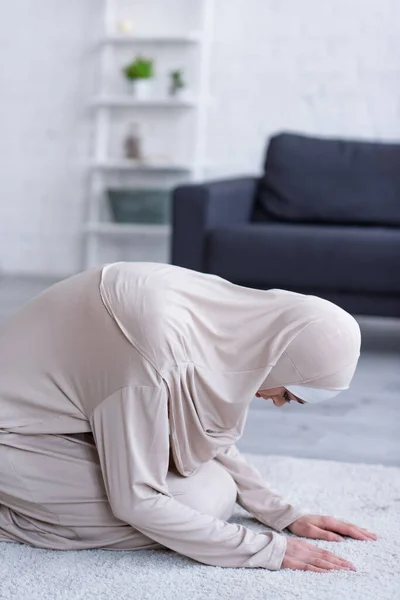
{"x": 300, "y": 256}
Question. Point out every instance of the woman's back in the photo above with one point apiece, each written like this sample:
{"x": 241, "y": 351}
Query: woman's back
{"x": 61, "y": 356}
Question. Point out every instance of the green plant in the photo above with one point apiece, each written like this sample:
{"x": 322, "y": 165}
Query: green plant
{"x": 140, "y": 68}
{"x": 177, "y": 80}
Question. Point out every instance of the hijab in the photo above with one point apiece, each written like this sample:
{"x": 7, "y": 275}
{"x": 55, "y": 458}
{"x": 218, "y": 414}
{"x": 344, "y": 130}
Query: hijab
{"x": 214, "y": 343}
{"x": 311, "y": 395}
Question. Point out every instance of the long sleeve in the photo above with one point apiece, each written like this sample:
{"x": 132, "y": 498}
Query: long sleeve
{"x": 131, "y": 431}
{"x": 254, "y": 493}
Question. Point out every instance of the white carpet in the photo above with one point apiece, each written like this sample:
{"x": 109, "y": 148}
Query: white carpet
{"x": 364, "y": 494}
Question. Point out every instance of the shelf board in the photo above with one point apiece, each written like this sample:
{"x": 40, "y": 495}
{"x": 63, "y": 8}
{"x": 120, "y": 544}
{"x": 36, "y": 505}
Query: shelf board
{"x": 130, "y": 102}
{"x": 143, "y": 167}
{"x": 103, "y": 228}
{"x": 124, "y": 39}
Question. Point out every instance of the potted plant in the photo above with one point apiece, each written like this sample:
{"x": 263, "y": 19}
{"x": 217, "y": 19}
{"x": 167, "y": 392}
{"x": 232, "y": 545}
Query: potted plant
{"x": 139, "y": 73}
{"x": 177, "y": 84}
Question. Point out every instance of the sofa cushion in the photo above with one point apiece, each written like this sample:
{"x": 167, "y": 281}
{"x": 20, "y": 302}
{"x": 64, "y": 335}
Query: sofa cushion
{"x": 331, "y": 181}
{"x": 316, "y": 257}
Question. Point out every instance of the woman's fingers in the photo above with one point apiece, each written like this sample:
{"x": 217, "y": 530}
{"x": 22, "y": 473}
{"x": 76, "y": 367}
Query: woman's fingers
{"x": 300, "y": 566}
{"x": 307, "y": 555}
{"x": 372, "y": 536}
{"x": 319, "y": 553}
{"x": 348, "y": 529}
{"x": 319, "y": 566}
{"x": 323, "y": 534}
{"x": 359, "y": 534}
{"x": 325, "y": 556}
{"x": 330, "y": 565}
{"x": 353, "y": 531}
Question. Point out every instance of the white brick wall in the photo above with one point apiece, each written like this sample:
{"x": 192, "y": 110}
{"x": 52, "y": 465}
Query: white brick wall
{"x": 328, "y": 67}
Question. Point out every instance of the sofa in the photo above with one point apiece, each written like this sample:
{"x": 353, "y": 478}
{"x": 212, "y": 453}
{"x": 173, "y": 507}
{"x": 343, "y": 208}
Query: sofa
{"x": 322, "y": 219}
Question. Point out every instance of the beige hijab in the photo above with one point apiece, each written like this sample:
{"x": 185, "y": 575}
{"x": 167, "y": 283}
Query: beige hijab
{"x": 214, "y": 343}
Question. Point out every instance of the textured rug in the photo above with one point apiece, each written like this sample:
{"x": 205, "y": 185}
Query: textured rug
{"x": 364, "y": 494}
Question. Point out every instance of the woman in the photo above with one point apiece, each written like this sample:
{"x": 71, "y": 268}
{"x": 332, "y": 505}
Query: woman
{"x": 122, "y": 393}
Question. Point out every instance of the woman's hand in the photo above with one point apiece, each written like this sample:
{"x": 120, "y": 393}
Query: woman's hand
{"x": 302, "y": 556}
{"x": 327, "y": 528}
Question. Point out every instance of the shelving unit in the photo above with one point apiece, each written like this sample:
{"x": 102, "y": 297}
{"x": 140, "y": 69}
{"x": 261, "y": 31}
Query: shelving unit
{"x": 119, "y": 39}
{"x": 127, "y": 229}
{"x": 132, "y": 166}
{"x": 109, "y": 103}
{"x": 127, "y": 102}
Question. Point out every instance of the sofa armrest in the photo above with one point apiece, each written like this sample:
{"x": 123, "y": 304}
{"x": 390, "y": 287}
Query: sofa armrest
{"x": 198, "y": 208}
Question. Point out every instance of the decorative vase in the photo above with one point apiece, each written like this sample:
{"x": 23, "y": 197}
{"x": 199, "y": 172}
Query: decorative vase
{"x": 133, "y": 143}
{"x": 179, "y": 93}
{"x": 141, "y": 89}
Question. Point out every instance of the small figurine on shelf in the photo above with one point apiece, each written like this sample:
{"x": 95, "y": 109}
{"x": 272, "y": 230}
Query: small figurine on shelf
{"x": 139, "y": 73}
{"x": 133, "y": 145}
{"x": 125, "y": 26}
{"x": 177, "y": 86}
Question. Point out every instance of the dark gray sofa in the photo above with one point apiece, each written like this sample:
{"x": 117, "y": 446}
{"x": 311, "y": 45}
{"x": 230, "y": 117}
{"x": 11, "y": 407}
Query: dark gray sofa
{"x": 323, "y": 219}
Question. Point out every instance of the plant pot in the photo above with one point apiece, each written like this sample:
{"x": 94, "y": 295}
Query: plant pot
{"x": 141, "y": 89}
{"x": 151, "y": 206}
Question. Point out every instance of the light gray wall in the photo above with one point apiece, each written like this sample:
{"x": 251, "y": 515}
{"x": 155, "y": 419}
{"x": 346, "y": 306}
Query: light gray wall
{"x": 330, "y": 68}
{"x": 45, "y": 75}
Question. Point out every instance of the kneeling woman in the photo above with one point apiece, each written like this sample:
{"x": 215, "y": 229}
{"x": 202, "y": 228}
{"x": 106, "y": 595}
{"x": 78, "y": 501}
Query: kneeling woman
{"x": 122, "y": 393}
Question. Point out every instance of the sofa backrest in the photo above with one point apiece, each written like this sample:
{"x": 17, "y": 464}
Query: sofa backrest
{"x": 331, "y": 181}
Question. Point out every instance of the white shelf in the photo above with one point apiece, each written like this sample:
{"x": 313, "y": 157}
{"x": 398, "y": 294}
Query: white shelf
{"x": 130, "y": 102}
{"x": 194, "y": 44}
{"x": 124, "y": 39}
{"x": 143, "y": 167}
{"x": 127, "y": 229}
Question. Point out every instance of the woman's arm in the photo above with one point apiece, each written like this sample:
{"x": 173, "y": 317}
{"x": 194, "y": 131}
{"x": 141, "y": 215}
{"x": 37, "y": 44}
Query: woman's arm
{"x": 132, "y": 438}
{"x": 254, "y": 493}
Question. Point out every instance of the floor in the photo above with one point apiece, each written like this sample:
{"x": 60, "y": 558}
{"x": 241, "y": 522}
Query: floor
{"x": 360, "y": 425}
